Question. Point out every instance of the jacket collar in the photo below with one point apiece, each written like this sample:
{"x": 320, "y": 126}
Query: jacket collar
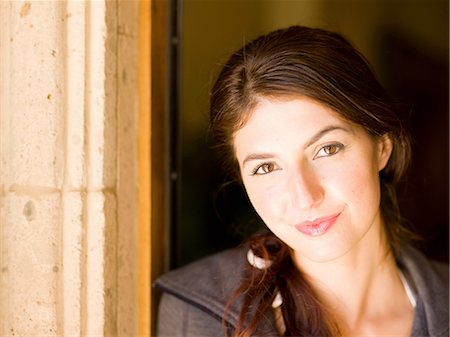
{"x": 209, "y": 283}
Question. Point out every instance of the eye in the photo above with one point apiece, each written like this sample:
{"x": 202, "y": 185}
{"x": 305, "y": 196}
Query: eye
{"x": 329, "y": 150}
{"x": 264, "y": 168}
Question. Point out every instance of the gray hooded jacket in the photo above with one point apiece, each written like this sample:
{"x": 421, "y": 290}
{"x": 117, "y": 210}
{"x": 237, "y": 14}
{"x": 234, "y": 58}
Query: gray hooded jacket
{"x": 194, "y": 297}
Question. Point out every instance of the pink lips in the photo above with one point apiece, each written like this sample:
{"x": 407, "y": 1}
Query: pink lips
{"x": 318, "y": 226}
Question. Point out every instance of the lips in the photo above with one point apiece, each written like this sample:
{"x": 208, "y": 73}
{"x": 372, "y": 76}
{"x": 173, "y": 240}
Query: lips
{"x": 317, "y": 226}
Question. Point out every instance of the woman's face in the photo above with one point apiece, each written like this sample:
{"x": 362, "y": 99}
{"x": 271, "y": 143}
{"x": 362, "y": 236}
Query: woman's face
{"x": 312, "y": 177}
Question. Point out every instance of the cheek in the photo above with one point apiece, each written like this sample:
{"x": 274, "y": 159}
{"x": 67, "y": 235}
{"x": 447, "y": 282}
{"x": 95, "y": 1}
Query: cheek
{"x": 269, "y": 203}
{"x": 358, "y": 186}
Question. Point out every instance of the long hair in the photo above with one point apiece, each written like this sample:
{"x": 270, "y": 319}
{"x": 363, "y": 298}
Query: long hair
{"x": 323, "y": 66}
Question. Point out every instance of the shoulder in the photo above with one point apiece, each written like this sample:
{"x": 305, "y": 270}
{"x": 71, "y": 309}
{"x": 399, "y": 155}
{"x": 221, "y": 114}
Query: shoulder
{"x": 424, "y": 270}
{"x": 207, "y": 284}
{"x": 214, "y": 275}
{"x": 441, "y": 270}
{"x": 430, "y": 280}
{"x": 212, "y": 265}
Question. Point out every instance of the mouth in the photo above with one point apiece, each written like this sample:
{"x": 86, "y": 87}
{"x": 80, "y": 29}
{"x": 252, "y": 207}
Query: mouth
{"x": 318, "y": 226}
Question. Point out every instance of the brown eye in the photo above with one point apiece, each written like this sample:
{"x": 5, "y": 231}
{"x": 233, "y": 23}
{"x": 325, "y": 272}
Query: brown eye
{"x": 329, "y": 150}
{"x": 267, "y": 168}
{"x": 264, "y": 169}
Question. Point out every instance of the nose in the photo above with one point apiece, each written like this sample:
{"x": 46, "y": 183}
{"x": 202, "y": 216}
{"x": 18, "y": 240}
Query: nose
{"x": 306, "y": 188}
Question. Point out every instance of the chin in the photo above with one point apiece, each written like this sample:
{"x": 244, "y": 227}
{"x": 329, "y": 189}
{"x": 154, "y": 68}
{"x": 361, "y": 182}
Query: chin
{"x": 321, "y": 258}
{"x": 322, "y": 255}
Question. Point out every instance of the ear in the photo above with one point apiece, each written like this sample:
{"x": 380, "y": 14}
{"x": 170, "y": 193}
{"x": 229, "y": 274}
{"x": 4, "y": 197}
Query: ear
{"x": 384, "y": 151}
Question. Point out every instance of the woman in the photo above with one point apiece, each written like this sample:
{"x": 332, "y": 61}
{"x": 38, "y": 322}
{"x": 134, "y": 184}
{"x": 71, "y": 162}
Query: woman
{"x": 319, "y": 148}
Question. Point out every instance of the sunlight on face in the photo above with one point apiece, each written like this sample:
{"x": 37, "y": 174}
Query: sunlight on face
{"x": 312, "y": 177}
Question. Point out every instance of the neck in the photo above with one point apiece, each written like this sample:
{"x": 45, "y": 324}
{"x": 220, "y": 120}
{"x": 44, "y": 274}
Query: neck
{"x": 363, "y": 285}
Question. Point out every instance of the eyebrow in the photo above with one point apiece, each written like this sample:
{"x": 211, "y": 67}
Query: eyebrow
{"x": 257, "y": 156}
{"x": 323, "y": 132}
{"x": 317, "y": 136}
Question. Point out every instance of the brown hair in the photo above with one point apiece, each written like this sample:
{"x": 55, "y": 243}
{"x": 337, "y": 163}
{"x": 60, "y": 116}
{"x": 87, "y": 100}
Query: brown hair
{"x": 325, "y": 67}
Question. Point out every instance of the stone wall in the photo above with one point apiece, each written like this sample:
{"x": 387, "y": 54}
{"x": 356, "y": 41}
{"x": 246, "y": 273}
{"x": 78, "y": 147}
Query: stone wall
{"x": 68, "y": 186}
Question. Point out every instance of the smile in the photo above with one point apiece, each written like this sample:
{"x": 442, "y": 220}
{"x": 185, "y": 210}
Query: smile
{"x": 318, "y": 226}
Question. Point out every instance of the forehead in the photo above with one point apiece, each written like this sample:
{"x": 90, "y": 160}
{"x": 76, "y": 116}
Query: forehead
{"x": 296, "y": 115}
{"x": 292, "y": 109}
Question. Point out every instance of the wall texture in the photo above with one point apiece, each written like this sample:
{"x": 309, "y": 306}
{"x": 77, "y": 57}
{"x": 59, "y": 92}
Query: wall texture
{"x": 68, "y": 184}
